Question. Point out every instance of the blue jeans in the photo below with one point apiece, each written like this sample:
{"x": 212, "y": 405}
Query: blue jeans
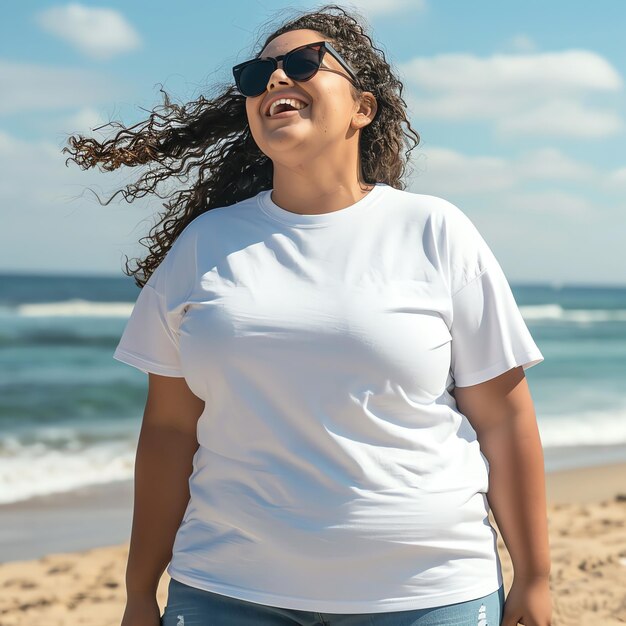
{"x": 188, "y": 606}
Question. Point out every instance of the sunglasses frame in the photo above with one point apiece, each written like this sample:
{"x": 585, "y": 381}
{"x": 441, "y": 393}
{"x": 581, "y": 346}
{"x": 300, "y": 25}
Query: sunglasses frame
{"x": 325, "y": 46}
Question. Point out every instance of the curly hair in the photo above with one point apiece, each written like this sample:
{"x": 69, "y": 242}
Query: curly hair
{"x": 213, "y": 136}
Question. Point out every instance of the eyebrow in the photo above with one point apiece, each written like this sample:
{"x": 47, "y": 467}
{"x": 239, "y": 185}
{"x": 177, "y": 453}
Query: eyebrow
{"x": 273, "y": 56}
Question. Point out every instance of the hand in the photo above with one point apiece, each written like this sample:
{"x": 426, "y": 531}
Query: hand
{"x": 143, "y": 611}
{"x": 528, "y": 602}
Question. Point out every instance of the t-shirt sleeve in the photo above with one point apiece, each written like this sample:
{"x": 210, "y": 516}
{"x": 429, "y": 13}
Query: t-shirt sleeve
{"x": 489, "y": 334}
{"x": 150, "y": 340}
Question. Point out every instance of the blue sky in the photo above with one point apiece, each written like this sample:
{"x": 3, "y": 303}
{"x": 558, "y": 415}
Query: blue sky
{"x": 520, "y": 106}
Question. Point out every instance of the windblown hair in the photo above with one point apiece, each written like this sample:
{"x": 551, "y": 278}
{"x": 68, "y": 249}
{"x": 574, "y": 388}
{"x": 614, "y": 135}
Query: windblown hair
{"x": 213, "y": 136}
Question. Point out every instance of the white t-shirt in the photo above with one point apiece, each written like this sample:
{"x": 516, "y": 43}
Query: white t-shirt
{"x": 334, "y": 472}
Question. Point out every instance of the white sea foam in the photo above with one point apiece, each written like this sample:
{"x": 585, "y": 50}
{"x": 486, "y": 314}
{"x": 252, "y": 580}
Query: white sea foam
{"x": 556, "y": 312}
{"x": 585, "y": 428}
{"x": 76, "y": 308}
{"x": 56, "y": 459}
{"x": 32, "y": 469}
{"x": 85, "y": 308}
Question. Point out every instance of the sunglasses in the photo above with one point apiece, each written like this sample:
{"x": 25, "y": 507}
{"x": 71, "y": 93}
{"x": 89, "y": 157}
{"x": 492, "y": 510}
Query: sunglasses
{"x": 300, "y": 64}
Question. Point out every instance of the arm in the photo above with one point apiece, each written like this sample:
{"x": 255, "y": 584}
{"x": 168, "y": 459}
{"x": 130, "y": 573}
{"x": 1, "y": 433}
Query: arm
{"x": 501, "y": 412}
{"x": 167, "y": 443}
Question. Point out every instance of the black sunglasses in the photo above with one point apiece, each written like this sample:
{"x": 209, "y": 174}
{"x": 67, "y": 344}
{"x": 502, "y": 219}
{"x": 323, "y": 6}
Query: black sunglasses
{"x": 300, "y": 64}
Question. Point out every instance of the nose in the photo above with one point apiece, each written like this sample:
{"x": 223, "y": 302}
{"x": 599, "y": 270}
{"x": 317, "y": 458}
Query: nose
{"x": 283, "y": 76}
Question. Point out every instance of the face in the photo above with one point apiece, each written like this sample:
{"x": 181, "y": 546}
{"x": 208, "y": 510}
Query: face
{"x": 329, "y": 121}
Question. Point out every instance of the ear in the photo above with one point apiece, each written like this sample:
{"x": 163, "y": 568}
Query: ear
{"x": 366, "y": 110}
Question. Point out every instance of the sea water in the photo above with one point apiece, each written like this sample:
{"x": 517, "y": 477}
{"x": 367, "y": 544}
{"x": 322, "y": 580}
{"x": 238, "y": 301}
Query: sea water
{"x": 70, "y": 414}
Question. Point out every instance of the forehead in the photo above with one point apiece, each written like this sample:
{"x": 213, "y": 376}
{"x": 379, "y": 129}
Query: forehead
{"x": 290, "y": 40}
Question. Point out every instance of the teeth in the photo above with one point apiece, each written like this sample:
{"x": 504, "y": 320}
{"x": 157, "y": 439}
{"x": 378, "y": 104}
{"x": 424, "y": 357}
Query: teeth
{"x": 297, "y": 104}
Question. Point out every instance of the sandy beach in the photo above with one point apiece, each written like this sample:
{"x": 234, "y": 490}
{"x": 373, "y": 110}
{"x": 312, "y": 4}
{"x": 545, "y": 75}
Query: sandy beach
{"x": 587, "y": 523}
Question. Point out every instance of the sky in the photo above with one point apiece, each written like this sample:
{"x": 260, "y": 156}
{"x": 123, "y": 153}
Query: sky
{"x": 520, "y": 108}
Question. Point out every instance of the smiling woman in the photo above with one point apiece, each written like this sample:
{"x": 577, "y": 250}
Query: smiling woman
{"x": 221, "y": 144}
{"x": 312, "y": 464}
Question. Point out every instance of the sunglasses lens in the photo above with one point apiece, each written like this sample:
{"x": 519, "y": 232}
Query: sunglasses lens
{"x": 301, "y": 65}
{"x": 253, "y": 78}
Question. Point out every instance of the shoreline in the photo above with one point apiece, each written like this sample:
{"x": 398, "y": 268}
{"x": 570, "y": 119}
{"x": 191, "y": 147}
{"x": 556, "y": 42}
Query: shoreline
{"x": 93, "y": 516}
{"x": 98, "y": 516}
{"x": 75, "y": 570}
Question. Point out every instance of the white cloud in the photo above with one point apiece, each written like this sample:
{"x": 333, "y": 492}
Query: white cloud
{"x": 531, "y": 94}
{"x": 533, "y": 232}
{"x": 552, "y": 164}
{"x": 523, "y": 43}
{"x": 562, "y": 118}
{"x": 573, "y": 71}
{"x": 97, "y": 32}
{"x": 47, "y": 206}
{"x": 554, "y": 234}
{"x": 552, "y": 202}
{"x": 617, "y": 178}
{"x": 448, "y": 171}
{"x": 567, "y": 227}
{"x": 33, "y": 87}
{"x": 82, "y": 121}
{"x": 541, "y": 212}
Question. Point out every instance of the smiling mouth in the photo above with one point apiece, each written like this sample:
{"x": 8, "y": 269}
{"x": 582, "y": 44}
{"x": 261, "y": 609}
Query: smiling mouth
{"x": 284, "y": 114}
{"x": 287, "y": 113}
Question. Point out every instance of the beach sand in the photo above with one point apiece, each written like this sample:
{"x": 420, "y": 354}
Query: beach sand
{"x": 586, "y": 516}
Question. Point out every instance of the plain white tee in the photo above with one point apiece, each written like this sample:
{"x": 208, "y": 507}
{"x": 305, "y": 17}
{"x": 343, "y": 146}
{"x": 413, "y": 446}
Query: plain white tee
{"x": 334, "y": 472}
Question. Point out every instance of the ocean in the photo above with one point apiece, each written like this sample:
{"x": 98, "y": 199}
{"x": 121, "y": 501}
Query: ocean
{"x": 70, "y": 414}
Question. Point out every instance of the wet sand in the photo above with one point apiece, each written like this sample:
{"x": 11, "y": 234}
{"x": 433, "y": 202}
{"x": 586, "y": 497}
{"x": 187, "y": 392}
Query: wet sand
{"x": 84, "y": 583}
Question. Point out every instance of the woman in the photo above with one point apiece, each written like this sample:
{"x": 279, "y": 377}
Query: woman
{"x": 336, "y": 366}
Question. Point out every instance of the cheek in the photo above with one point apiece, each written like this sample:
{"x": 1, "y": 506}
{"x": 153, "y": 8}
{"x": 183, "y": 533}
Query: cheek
{"x": 253, "y": 105}
{"x": 333, "y": 115}
{"x": 254, "y": 119}
{"x": 250, "y": 111}
{"x": 333, "y": 108}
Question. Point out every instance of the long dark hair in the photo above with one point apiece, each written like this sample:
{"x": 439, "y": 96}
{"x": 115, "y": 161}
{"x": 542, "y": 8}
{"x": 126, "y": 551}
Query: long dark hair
{"x": 213, "y": 136}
